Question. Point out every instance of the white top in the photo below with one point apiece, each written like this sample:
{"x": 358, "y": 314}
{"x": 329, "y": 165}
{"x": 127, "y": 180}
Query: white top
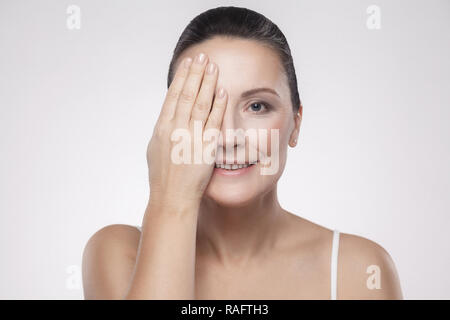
{"x": 334, "y": 262}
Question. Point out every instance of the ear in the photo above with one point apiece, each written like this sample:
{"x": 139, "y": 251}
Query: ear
{"x": 297, "y": 122}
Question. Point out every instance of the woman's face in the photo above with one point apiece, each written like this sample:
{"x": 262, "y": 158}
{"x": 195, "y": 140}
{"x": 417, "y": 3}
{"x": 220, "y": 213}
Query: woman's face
{"x": 246, "y": 65}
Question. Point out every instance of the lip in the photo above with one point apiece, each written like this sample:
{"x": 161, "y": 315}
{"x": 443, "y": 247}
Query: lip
{"x": 237, "y": 172}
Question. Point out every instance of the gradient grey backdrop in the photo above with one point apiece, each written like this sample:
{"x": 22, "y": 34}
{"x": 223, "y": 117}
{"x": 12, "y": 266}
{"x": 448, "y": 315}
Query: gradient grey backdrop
{"x": 77, "y": 108}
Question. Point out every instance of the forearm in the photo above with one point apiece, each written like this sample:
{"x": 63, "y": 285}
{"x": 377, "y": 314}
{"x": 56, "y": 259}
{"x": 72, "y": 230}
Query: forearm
{"x": 165, "y": 262}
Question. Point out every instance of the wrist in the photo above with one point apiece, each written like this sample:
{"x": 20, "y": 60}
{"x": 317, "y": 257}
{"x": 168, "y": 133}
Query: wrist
{"x": 174, "y": 206}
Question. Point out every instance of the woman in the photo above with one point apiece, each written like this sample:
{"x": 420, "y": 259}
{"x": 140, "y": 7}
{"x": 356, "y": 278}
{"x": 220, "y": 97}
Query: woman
{"x": 214, "y": 230}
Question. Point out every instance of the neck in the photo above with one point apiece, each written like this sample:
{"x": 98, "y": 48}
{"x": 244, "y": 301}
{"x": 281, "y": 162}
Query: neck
{"x": 236, "y": 234}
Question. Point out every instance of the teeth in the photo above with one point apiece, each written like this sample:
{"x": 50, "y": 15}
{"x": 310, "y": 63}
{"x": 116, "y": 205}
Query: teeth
{"x": 232, "y": 166}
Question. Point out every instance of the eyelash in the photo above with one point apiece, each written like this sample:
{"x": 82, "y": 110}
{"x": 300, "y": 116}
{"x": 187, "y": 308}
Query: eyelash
{"x": 267, "y": 107}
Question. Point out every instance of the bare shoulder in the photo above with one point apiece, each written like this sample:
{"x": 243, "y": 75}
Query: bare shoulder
{"x": 366, "y": 270}
{"x": 108, "y": 261}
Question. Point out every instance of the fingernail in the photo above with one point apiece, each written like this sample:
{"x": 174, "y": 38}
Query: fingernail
{"x": 221, "y": 92}
{"x": 187, "y": 62}
{"x": 210, "y": 68}
{"x": 201, "y": 57}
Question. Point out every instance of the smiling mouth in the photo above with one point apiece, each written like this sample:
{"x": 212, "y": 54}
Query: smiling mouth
{"x": 232, "y": 167}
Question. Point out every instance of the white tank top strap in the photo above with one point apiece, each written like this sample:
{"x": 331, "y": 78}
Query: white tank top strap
{"x": 334, "y": 264}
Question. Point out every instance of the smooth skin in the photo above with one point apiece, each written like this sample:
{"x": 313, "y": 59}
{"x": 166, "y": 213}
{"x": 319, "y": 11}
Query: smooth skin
{"x": 205, "y": 236}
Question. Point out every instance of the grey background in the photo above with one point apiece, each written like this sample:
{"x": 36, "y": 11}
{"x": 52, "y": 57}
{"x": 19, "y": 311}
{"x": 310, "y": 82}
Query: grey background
{"x": 77, "y": 108}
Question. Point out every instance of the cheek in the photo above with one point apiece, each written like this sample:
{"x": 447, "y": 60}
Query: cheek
{"x": 280, "y": 126}
{"x": 274, "y": 126}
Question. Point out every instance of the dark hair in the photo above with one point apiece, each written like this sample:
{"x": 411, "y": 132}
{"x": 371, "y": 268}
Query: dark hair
{"x": 242, "y": 23}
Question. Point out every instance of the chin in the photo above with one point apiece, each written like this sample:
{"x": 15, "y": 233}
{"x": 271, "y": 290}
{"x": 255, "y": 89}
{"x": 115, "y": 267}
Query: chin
{"x": 231, "y": 197}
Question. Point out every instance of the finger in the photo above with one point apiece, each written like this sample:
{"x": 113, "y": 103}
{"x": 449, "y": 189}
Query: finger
{"x": 190, "y": 89}
{"x": 173, "y": 93}
{"x": 215, "y": 118}
{"x": 203, "y": 103}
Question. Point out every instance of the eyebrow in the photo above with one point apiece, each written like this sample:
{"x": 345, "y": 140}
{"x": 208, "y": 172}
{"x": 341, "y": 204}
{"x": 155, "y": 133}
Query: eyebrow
{"x": 256, "y": 90}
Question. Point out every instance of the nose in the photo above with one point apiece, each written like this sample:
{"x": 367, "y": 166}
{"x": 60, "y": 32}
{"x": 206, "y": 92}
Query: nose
{"x": 235, "y": 138}
{"x": 228, "y": 124}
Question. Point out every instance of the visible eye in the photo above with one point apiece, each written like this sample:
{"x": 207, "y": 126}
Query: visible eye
{"x": 259, "y": 107}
